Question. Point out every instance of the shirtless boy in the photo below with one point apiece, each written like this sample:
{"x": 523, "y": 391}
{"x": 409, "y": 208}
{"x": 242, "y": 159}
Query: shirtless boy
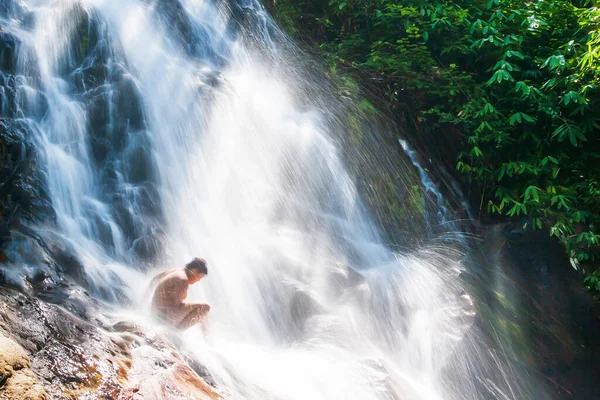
{"x": 170, "y": 292}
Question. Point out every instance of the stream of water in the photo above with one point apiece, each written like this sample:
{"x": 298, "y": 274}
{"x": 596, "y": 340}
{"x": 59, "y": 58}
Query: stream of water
{"x": 171, "y": 129}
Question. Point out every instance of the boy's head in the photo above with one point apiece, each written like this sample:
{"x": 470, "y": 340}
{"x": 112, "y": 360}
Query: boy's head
{"x": 196, "y": 270}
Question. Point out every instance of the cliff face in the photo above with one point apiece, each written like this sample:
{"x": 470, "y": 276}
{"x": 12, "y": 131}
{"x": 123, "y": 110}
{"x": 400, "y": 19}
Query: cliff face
{"x": 536, "y": 308}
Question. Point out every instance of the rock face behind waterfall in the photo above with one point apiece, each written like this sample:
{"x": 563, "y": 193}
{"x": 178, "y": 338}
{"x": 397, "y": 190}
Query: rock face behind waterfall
{"x": 47, "y": 352}
{"x": 21, "y": 188}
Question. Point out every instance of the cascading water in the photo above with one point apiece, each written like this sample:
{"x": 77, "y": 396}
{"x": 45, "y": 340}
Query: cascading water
{"x": 173, "y": 129}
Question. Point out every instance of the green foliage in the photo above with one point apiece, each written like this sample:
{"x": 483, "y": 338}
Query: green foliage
{"x": 518, "y": 81}
{"x": 592, "y": 282}
{"x": 539, "y": 137}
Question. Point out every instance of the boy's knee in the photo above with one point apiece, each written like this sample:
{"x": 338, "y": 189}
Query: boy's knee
{"x": 203, "y": 308}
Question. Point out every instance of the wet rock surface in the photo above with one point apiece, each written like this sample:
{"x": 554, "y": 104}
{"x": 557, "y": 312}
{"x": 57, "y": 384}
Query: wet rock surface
{"x": 23, "y": 200}
{"x": 55, "y": 353}
{"x": 21, "y": 187}
{"x": 17, "y": 381}
{"x": 530, "y": 299}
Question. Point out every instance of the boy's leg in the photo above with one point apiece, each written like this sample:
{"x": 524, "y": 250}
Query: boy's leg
{"x": 194, "y": 313}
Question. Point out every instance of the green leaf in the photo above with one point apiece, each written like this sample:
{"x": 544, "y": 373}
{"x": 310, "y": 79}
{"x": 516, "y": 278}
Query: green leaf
{"x": 549, "y": 83}
{"x": 476, "y": 152}
{"x": 515, "y": 118}
{"x": 556, "y": 62}
{"x": 527, "y": 118}
{"x": 488, "y": 109}
{"x": 517, "y": 209}
{"x": 569, "y": 131}
{"x": 532, "y": 191}
{"x": 512, "y": 53}
{"x": 499, "y": 76}
{"x": 574, "y": 97}
{"x": 503, "y": 65}
{"x": 523, "y": 87}
{"x": 501, "y": 173}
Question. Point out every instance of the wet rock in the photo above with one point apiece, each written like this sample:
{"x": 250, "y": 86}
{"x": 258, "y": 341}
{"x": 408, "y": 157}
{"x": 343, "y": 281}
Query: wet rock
{"x": 148, "y": 247}
{"x": 78, "y": 19}
{"x": 343, "y": 276}
{"x": 302, "y": 307}
{"x": 93, "y": 358}
{"x": 17, "y": 10}
{"x": 38, "y": 266}
{"x": 173, "y": 377}
{"x": 128, "y": 101}
{"x": 20, "y": 255}
{"x": 530, "y": 299}
{"x": 22, "y": 200}
{"x": 17, "y": 381}
{"x": 87, "y": 42}
{"x": 68, "y": 263}
{"x": 193, "y": 38}
{"x": 7, "y": 7}
{"x": 5, "y": 236}
{"x": 8, "y": 47}
{"x": 21, "y": 190}
{"x": 139, "y": 165}
{"x": 120, "y": 145}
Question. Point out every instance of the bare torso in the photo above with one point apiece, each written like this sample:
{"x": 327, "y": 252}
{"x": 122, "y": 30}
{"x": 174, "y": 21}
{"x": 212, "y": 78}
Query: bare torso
{"x": 168, "y": 300}
{"x": 171, "y": 290}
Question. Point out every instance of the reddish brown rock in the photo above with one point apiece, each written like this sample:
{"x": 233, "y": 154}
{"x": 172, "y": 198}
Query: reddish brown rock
{"x": 17, "y": 381}
{"x": 75, "y": 358}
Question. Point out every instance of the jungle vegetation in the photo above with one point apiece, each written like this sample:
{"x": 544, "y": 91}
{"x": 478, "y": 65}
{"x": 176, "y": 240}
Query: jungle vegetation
{"x": 515, "y": 81}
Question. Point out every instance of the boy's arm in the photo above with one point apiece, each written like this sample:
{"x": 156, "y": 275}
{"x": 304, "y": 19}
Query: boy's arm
{"x": 149, "y": 292}
{"x": 157, "y": 278}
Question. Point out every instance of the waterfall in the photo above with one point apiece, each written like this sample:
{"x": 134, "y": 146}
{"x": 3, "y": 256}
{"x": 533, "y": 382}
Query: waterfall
{"x": 442, "y": 211}
{"x": 170, "y": 129}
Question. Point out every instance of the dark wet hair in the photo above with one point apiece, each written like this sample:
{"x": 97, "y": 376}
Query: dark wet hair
{"x": 197, "y": 264}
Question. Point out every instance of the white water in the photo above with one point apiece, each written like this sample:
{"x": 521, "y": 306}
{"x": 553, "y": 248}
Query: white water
{"x": 247, "y": 174}
{"x": 430, "y": 187}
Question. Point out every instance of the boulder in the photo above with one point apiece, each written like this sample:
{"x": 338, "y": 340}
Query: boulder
{"x": 17, "y": 381}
